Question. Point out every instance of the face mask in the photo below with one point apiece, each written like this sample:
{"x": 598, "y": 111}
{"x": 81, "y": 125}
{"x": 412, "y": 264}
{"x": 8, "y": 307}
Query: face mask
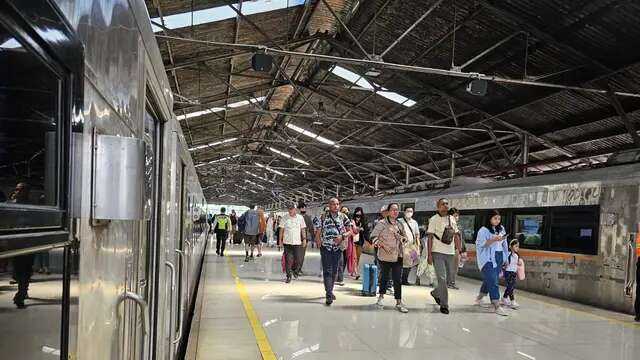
{"x": 303, "y": 212}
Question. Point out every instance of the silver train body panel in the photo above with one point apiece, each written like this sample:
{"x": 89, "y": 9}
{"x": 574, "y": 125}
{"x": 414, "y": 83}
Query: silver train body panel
{"x": 592, "y": 279}
{"x": 124, "y": 79}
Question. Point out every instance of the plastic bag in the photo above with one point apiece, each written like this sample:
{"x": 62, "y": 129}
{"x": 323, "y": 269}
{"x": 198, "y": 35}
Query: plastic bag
{"x": 427, "y": 270}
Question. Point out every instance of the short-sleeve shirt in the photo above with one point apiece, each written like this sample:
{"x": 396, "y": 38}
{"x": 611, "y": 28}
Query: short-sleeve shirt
{"x": 292, "y": 227}
{"x": 437, "y": 224}
{"x": 330, "y": 227}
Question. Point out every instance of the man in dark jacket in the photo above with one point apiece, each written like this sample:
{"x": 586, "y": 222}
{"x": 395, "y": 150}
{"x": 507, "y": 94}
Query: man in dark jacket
{"x": 308, "y": 221}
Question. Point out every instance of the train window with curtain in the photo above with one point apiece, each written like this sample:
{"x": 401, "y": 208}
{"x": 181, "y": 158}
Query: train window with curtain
{"x": 575, "y": 230}
{"x": 529, "y": 230}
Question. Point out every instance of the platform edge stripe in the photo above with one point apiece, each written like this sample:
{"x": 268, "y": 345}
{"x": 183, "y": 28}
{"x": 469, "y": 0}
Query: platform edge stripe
{"x": 258, "y": 331}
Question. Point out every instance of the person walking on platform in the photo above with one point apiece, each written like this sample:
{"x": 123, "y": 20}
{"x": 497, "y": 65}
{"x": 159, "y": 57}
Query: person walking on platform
{"x": 251, "y": 228}
{"x": 342, "y": 264}
{"x": 262, "y": 230}
{"x": 360, "y": 223}
{"x": 411, "y": 254}
{"x": 459, "y": 256}
{"x": 512, "y": 272}
{"x": 292, "y": 237}
{"x": 331, "y": 231}
{"x": 390, "y": 239}
{"x": 221, "y": 227}
{"x": 491, "y": 251}
{"x": 234, "y": 225}
{"x": 308, "y": 222}
{"x": 442, "y": 243}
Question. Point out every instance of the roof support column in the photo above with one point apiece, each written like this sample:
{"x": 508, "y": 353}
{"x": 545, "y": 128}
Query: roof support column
{"x": 406, "y": 175}
{"x": 525, "y": 154}
{"x": 452, "y": 168}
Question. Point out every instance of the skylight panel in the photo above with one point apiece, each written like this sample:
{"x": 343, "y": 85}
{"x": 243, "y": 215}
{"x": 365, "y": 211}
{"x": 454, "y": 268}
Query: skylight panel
{"x": 11, "y": 44}
{"x": 211, "y": 144}
{"x": 361, "y": 82}
{"x": 234, "y": 105}
{"x": 270, "y": 169}
{"x": 218, "y": 160}
{"x": 288, "y": 156}
{"x": 224, "y": 12}
{"x": 258, "y": 177}
{"x": 312, "y": 135}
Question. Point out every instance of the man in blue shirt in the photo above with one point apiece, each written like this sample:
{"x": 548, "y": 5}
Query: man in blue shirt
{"x": 251, "y": 228}
{"x": 331, "y": 231}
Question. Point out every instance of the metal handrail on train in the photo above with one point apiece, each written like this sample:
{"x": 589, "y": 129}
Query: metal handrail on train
{"x": 181, "y": 305}
{"x": 144, "y": 307}
{"x": 629, "y": 278}
{"x": 171, "y": 267}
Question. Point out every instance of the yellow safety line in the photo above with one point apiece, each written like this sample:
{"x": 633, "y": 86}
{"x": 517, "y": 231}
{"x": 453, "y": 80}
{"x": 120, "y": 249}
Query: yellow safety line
{"x": 258, "y": 331}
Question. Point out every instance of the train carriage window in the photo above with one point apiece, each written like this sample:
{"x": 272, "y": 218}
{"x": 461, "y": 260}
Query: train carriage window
{"x": 467, "y": 225}
{"x": 575, "y": 230}
{"x": 528, "y": 229}
{"x": 32, "y": 140}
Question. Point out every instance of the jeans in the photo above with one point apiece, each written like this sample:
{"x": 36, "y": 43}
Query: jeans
{"x": 396, "y": 273}
{"x": 342, "y": 262}
{"x": 442, "y": 264}
{"x": 510, "y": 280}
{"x": 221, "y": 240}
{"x": 330, "y": 260}
{"x": 292, "y": 259}
{"x": 490, "y": 278}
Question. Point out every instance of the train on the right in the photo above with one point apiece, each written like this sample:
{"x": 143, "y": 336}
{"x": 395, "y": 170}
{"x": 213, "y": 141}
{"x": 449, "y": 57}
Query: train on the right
{"x": 578, "y": 230}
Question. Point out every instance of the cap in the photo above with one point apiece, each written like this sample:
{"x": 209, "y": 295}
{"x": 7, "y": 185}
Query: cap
{"x": 291, "y": 206}
{"x": 383, "y": 208}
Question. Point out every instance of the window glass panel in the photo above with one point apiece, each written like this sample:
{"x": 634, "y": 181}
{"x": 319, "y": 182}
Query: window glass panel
{"x": 467, "y": 226}
{"x": 528, "y": 229}
{"x": 29, "y": 130}
{"x": 34, "y": 283}
{"x": 575, "y": 230}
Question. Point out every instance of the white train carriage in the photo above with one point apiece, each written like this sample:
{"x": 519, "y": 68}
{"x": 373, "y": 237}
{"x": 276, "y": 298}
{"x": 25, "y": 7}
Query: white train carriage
{"x": 102, "y": 222}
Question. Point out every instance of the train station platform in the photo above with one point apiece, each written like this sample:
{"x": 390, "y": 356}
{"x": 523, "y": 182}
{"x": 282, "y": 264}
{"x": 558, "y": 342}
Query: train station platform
{"x": 247, "y": 311}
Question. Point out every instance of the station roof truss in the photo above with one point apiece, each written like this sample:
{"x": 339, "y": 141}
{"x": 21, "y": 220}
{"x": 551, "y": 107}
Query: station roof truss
{"x": 371, "y": 96}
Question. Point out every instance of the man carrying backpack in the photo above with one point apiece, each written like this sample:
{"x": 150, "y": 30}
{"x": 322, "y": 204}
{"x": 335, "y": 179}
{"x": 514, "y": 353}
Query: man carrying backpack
{"x": 221, "y": 226}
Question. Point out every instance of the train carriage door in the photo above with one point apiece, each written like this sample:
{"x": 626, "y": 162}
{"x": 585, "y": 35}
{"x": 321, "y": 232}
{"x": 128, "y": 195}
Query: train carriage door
{"x": 147, "y": 248}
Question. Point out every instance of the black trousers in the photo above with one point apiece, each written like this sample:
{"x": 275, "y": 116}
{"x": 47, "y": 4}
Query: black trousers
{"x": 22, "y": 271}
{"x": 292, "y": 259}
{"x": 395, "y": 268}
{"x": 637, "y": 304}
{"x": 221, "y": 241}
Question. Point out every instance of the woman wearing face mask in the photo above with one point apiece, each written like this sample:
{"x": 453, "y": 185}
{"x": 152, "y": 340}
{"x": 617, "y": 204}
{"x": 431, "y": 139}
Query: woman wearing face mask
{"x": 411, "y": 256}
{"x": 491, "y": 253}
{"x": 389, "y": 237}
{"x": 359, "y": 223}
{"x": 347, "y": 261}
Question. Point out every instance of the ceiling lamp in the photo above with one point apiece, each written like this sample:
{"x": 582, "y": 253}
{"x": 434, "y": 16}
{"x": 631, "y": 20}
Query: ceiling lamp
{"x": 373, "y": 71}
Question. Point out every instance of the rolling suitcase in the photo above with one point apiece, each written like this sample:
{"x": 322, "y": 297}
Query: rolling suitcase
{"x": 369, "y": 279}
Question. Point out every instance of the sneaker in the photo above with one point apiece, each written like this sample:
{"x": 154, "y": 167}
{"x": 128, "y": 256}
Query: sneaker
{"x": 380, "y": 302}
{"x": 328, "y": 301}
{"x": 437, "y": 299}
{"x": 514, "y": 305}
{"x": 246, "y": 259}
{"x": 480, "y": 300}
{"x": 403, "y": 309}
{"x": 453, "y": 287}
{"x": 500, "y": 311}
{"x": 259, "y": 255}
{"x": 217, "y": 253}
{"x": 505, "y": 302}
{"x": 444, "y": 310}
{"x": 288, "y": 280}
{"x": 221, "y": 254}
{"x": 295, "y": 276}
{"x": 340, "y": 283}
{"x": 251, "y": 257}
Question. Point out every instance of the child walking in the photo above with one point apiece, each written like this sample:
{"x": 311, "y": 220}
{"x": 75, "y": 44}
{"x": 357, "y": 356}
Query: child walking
{"x": 513, "y": 271}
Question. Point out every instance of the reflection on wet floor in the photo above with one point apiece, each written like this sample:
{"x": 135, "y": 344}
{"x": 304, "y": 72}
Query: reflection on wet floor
{"x": 298, "y": 326}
